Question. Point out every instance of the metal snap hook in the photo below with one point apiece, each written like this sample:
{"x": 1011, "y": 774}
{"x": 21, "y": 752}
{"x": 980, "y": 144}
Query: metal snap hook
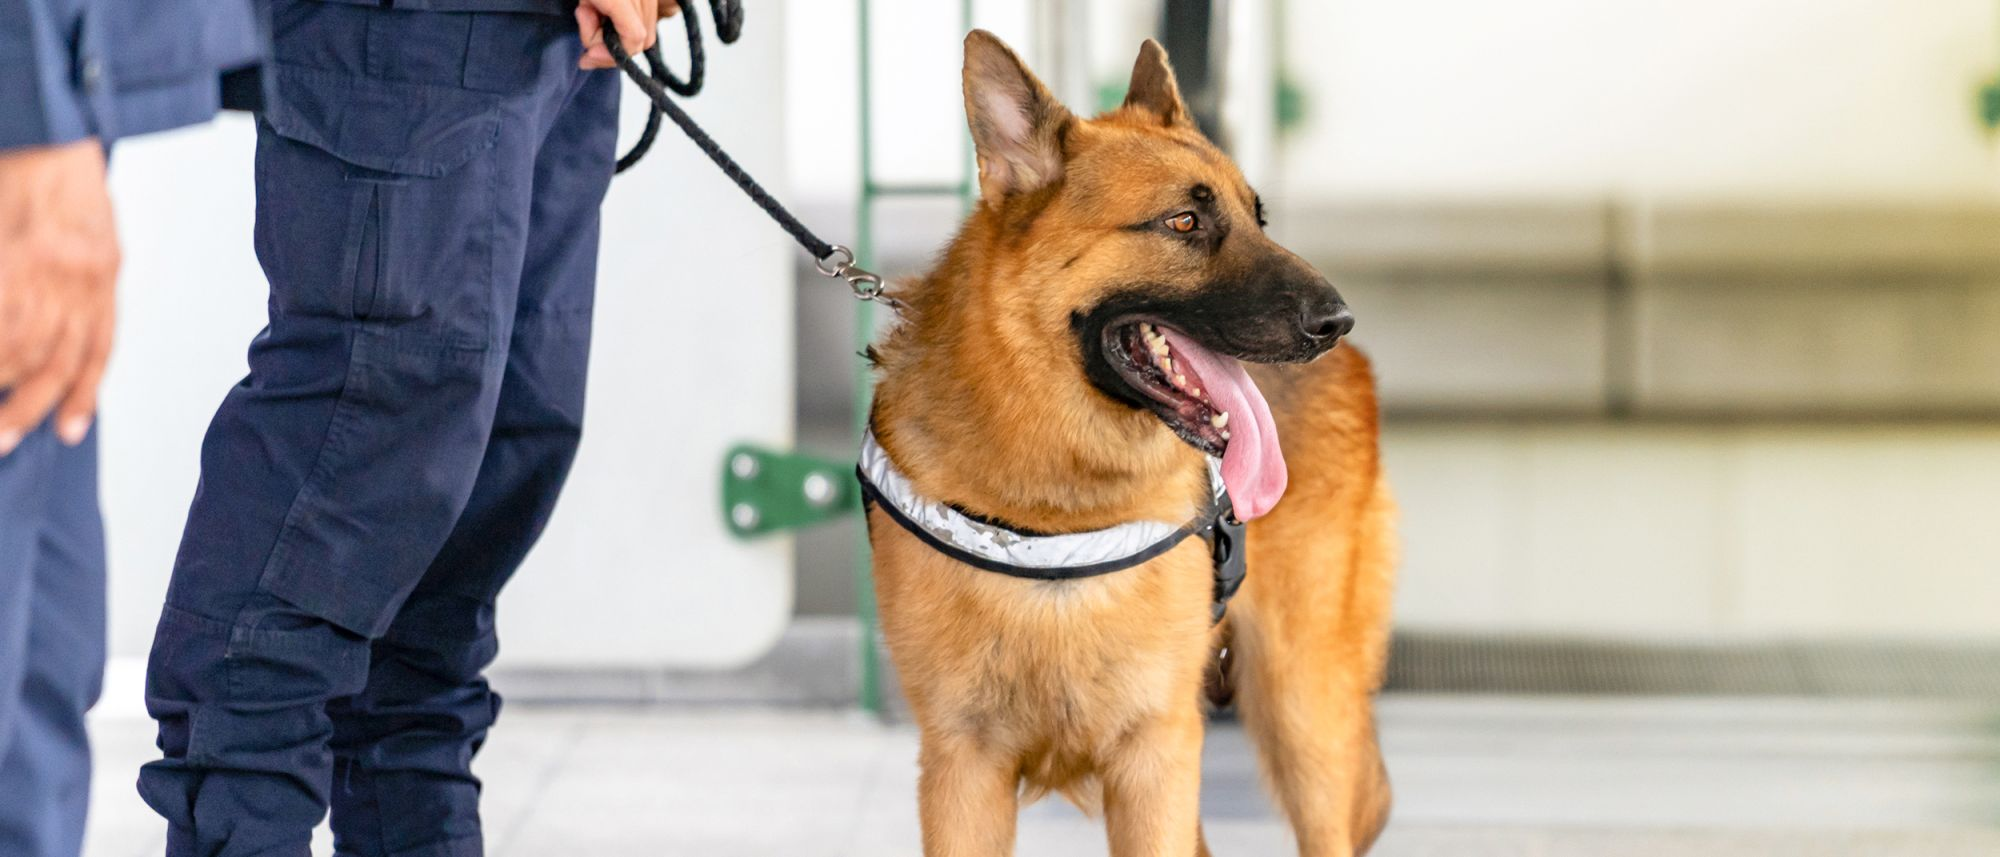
{"x": 844, "y": 260}
{"x": 866, "y": 286}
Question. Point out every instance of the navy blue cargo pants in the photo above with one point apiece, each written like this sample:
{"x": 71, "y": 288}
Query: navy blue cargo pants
{"x": 428, "y": 187}
{"x": 51, "y": 641}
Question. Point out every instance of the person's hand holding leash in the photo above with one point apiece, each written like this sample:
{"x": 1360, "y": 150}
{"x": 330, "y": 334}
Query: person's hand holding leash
{"x": 634, "y": 20}
{"x": 58, "y": 271}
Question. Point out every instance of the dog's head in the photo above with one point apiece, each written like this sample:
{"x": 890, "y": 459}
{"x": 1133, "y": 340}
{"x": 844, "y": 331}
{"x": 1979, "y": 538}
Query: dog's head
{"x": 1129, "y": 249}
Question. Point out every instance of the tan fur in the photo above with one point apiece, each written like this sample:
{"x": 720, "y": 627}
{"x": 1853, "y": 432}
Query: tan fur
{"x": 1093, "y": 687}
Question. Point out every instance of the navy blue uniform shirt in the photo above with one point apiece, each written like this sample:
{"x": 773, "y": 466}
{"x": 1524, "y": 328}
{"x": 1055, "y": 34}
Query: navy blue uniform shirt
{"x": 548, "y": 7}
{"x": 71, "y": 69}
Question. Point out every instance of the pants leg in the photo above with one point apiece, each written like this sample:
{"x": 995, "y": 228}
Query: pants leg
{"x": 403, "y": 748}
{"x": 395, "y": 185}
{"x": 51, "y": 642}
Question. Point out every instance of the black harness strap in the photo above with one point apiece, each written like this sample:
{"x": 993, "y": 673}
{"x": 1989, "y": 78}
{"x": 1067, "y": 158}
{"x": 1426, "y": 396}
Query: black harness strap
{"x": 1217, "y": 526}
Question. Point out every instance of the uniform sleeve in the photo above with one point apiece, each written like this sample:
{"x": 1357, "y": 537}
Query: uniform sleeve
{"x": 43, "y": 90}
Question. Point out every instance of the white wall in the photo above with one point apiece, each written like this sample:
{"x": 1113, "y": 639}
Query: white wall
{"x": 693, "y": 353}
{"x": 1679, "y": 531}
{"x": 1688, "y": 529}
{"x": 919, "y": 109}
{"x": 1728, "y": 98}
{"x": 1738, "y": 99}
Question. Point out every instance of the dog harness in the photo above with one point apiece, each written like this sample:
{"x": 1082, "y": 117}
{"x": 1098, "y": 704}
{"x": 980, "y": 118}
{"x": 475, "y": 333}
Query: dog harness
{"x": 991, "y": 546}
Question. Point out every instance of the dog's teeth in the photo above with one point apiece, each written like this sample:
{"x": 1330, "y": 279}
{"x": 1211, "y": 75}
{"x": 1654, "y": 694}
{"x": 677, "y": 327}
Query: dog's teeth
{"x": 1220, "y": 419}
{"x": 1159, "y": 347}
{"x": 1167, "y": 363}
{"x": 1180, "y": 380}
{"x": 1225, "y": 434}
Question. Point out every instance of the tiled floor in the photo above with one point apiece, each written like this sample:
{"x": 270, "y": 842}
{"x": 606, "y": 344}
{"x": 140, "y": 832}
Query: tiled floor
{"x": 1483, "y": 777}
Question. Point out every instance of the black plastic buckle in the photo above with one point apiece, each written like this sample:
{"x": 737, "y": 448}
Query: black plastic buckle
{"x": 1226, "y": 547}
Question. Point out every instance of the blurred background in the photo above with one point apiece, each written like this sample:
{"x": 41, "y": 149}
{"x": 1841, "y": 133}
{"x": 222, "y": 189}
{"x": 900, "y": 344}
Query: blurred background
{"x": 1687, "y": 321}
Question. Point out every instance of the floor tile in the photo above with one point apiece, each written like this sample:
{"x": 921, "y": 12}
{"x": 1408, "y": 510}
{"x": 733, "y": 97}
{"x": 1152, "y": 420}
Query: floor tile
{"x": 1474, "y": 776}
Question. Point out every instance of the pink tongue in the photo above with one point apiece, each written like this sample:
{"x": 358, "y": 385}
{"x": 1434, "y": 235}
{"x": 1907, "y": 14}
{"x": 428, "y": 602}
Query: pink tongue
{"x": 1253, "y": 466}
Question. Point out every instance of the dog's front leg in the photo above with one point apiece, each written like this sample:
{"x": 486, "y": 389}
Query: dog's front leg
{"x": 968, "y": 798}
{"x": 1152, "y": 789}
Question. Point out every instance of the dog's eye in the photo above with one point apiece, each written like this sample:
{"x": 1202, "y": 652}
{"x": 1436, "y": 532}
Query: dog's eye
{"x": 1184, "y": 222}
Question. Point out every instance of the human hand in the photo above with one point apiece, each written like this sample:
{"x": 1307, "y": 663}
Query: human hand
{"x": 634, "y": 20}
{"x": 58, "y": 273}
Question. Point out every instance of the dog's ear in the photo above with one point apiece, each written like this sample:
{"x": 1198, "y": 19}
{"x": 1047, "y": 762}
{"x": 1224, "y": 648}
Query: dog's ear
{"x": 1017, "y": 125}
{"x": 1153, "y": 88}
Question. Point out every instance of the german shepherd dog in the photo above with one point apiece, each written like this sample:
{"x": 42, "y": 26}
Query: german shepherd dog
{"x": 1076, "y": 355}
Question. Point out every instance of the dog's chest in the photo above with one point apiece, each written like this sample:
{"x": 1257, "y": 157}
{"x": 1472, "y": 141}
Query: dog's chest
{"x": 1047, "y": 667}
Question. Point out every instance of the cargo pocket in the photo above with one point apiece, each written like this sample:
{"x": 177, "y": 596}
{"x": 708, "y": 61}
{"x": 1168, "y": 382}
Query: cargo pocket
{"x": 389, "y": 126}
{"x": 376, "y": 221}
{"x": 375, "y": 204}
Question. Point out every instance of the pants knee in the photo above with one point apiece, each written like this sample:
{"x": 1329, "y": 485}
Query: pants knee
{"x": 447, "y": 639}
{"x": 224, "y": 690}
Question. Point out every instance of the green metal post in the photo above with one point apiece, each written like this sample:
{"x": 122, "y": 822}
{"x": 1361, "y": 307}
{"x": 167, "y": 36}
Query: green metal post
{"x": 864, "y": 378}
{"x": 872, "y": 192}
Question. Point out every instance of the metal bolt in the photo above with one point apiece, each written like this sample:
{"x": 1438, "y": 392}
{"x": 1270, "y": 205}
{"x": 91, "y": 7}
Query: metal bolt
{"x": 744, "y": 516}
{"x": 819, "y": 489}
{"x": 743, "y": 465}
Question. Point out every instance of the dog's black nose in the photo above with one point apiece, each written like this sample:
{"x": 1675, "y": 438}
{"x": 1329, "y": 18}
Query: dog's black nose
{"x": 1328, "y": 323}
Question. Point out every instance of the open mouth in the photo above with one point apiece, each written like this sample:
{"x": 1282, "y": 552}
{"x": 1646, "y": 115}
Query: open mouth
{"x": 1209, "y": 401}
{"x": 1145, "y": 358}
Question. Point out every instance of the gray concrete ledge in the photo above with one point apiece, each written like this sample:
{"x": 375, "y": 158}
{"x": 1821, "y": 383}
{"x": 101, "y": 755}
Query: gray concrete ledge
{"x": 817, "y": 665}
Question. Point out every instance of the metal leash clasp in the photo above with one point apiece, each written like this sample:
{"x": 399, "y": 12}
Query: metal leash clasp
{"x": 867, "y": 285}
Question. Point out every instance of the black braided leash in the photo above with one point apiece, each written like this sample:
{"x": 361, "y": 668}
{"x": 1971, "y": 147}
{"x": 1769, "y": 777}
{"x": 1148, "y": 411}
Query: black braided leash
{"x": 729, "y": 27}
{"x": 833, "y": 260}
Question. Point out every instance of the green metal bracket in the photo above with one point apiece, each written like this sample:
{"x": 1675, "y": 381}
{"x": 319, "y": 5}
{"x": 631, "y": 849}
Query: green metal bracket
{"x": 1110, "y": 94}
{"x": 1291, "y": 109}
{"x": 1989, "y": 105}
{"x": 765, "y": 491}
{"x": 1289, "y": 94}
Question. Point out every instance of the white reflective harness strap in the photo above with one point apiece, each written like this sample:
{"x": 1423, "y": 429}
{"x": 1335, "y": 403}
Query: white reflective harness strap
{"x": 992, "y": 547}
